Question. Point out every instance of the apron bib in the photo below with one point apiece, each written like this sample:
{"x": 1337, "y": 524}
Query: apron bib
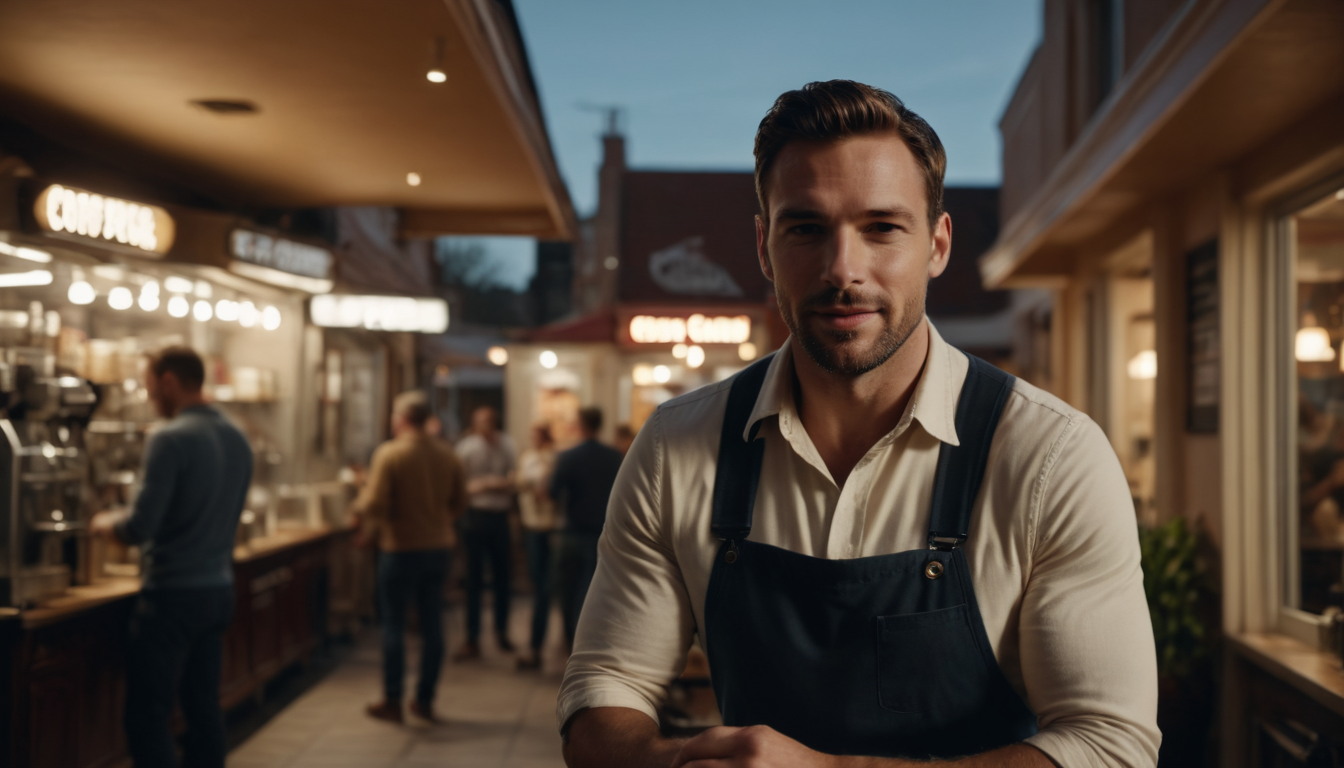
{"x": 885, "y": 656}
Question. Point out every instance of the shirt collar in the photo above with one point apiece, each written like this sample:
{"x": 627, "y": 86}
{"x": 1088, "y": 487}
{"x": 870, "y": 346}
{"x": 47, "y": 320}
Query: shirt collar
{"x": 933, "y": 405}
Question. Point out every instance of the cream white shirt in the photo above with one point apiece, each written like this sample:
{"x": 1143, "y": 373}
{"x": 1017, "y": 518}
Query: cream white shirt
{"x": 1053, "y": 551}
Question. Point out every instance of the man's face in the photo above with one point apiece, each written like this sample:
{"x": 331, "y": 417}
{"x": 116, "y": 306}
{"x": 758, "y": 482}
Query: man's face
{"x": 483, "y": 421}
{"x": 161, "y": 392}
{"x": 849, "y": 248}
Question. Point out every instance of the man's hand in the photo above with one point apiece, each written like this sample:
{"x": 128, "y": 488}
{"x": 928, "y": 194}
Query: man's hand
{"x": 758, "y": 746}
{"x": 103, "y": 525}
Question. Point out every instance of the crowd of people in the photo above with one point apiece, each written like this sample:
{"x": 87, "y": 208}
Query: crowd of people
{"x": 424, "y": 499}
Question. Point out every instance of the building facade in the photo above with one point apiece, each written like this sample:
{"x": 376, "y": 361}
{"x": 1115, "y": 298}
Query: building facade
{"x": 1174, "y": 175}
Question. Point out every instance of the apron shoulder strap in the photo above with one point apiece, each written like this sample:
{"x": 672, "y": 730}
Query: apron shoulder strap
{"x": 739, "y": 466}
{"x": 962, "y": 468}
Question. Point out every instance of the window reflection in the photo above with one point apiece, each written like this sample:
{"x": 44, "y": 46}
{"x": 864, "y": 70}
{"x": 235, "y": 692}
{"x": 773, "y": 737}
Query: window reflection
{"x": 1317, "y": 239}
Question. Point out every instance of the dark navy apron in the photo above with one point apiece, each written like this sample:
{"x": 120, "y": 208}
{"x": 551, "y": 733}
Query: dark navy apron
{"x": 884, "y": 656}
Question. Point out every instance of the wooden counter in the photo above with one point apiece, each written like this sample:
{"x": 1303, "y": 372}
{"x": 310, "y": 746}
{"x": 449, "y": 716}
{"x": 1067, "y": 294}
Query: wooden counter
{"x": 62, "y": 664}
{"x": 1273, "y": 680}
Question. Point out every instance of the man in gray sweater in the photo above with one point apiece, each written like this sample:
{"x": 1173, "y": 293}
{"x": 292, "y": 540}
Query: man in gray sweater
{"x": 196, "y": 475}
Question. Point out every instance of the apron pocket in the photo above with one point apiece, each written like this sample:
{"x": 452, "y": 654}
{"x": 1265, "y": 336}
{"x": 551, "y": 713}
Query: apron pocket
{"x": 923, "y": 659}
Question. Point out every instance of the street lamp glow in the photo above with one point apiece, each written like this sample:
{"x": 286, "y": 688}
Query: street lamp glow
{"x": 497, "y": 355}
{"x": 549, "y": 359}
{"x": 120, "y": 298}
{"x": 178, "y": 306}
{"x": 662, "y": 374}
{"x": 747, "y": 351}
{"x": 202, "y": 311}
{"x": 81, "y": 292}
{"x": 679, "y": 351}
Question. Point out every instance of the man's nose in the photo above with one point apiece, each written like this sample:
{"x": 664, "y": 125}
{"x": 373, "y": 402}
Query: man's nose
{"x": 843, "y": 263}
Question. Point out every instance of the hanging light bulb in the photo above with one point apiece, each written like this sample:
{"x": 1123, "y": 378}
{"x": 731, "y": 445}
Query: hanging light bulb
{"x": 1312, "y": 343}
{"x": 202, "y": 310}
{"x": 248, "y": 314}
{"x": 270, "y": 318}
{"x": 81, "y": 292}
{"x": 178, "y": 306}
{"x": 436, "y": 74}
{"x": 120, "y": 298}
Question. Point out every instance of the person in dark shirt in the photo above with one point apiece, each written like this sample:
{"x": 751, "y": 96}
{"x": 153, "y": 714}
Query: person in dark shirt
{"x": 197, "y": 471}
{"x": 582, "y": 483}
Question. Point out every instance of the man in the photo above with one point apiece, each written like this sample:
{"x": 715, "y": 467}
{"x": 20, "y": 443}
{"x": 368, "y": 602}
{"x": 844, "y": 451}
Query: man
{"x": 891, "y": 552}
{"x": 582, "y": 483}
{"x": 196, "y": 474}
{"x": 488, "y": 457}
{"x": 416, "y": 490}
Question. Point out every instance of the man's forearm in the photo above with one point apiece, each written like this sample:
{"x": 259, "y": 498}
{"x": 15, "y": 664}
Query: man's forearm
{"x": 617, "y": 737}
{"x": 1013, "y": 756}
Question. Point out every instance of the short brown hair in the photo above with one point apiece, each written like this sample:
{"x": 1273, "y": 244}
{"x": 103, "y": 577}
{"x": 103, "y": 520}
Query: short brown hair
{"x": 838, "y": 109}
{"x": 183, "y": 362}
{"x": 413, "y": 406}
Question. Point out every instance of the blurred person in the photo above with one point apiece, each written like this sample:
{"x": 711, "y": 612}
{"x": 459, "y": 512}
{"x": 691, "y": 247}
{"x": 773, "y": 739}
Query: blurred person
{"x": 581, "y": 486}
{"x": 625, "y": 437}
{"x": 415, "y": 492}
{"x": 535, "y": 465}
{"x": 197, "y": 470}
{"x": 893, "y": 552}
{"x": 488, "y": 457}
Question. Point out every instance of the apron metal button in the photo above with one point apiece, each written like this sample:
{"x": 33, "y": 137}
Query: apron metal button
{"x": 730, "y": 556}
{"x": 934, "y": 569}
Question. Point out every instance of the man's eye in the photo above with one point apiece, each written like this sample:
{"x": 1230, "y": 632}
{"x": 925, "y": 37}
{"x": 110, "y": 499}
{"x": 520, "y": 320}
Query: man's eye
{"x": 806, "y": 229}
{"x": 886, "y": 227}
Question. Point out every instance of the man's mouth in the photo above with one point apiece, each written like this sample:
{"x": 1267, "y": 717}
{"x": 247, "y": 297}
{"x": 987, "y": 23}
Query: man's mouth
{"x": 845, "y": 318}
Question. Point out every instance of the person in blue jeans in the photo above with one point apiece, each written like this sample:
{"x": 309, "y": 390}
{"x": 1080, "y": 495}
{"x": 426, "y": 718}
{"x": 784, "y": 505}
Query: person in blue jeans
{"x": 581, "y": 486}
{"x": 416, "y": 490}
{"x": 196, "y": 474}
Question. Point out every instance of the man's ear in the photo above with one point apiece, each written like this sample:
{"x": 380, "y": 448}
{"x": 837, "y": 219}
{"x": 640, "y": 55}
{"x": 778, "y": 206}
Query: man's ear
{"x": 942, "y": 246}
{"x": 762, "y": 252}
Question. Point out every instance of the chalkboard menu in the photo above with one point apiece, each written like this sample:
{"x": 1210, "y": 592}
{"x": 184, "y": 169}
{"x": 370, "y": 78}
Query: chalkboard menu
{"x": 1205, "y": 375}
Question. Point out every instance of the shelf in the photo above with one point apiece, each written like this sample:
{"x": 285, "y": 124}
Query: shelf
{"x": 1315, "y": 673}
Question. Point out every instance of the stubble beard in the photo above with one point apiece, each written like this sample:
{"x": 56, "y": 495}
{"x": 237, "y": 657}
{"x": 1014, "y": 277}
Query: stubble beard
{"x": 833, "y": 351}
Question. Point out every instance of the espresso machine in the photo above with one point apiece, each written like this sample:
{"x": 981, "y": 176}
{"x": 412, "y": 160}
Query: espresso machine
{"x": 44, "y": 475}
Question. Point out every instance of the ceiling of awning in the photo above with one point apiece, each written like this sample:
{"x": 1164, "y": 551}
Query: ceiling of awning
{"x": 344, "y": 110}
{"x": 1282, "y": 68}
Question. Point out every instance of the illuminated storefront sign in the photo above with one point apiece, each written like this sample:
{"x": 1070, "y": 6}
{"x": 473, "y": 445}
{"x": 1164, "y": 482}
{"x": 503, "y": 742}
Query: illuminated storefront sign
{"x": 697, "y": 329}
{"x": 65, "y": 210}
{"x": 380, "y": 313}
{"x": 280, "y": 262}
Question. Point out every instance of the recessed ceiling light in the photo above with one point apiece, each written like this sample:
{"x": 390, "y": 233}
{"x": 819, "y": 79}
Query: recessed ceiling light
{"x": 413, "y": 179}
{"x": 227, "y": 106}
{"x": 436, "y": 76}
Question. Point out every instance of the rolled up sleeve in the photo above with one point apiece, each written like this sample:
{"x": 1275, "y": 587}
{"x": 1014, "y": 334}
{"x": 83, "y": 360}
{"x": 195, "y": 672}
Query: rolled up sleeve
{"x": 636, "y": 625}
{"x": 1088, "y": 659}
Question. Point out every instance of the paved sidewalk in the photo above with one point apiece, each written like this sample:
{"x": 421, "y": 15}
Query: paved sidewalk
{"x": 497, "y": 717}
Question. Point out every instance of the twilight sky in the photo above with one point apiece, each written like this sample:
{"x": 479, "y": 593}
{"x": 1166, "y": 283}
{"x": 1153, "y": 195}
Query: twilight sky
{"x": 694, "y": 77}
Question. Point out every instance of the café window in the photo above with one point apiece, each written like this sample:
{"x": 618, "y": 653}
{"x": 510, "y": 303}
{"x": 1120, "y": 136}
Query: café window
{"x": 1314, "y": 529}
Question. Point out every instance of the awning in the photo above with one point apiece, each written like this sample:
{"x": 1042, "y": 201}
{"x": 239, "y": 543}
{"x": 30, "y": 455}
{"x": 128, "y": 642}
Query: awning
{"x": 1223, "y": 80}
{"x": 250, "y": 104}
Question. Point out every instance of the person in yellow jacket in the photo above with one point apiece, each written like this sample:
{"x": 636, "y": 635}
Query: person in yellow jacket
{"x": 416, "y": 491}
